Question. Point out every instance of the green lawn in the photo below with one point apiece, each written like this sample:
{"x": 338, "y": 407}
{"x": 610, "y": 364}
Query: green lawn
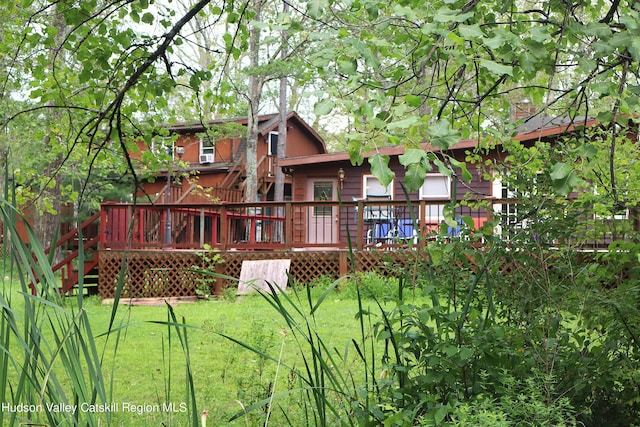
{"x": 226, "y": 375}
{"x": 147, "y": 372}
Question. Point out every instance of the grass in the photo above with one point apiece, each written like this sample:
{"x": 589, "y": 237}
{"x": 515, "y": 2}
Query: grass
{"x": 147, "y": 370}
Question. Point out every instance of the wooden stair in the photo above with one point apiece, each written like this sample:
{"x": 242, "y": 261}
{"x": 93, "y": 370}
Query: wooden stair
{"x": 232, "y": 181}
{"x": 83, "y": 240}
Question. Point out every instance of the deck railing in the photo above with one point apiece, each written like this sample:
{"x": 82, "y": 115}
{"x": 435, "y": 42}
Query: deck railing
{"x": 360, "y": 224}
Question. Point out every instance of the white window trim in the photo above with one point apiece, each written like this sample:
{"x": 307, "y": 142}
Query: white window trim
{"x": 268, "y": 141}
{"x": 202, "y": 147}
{"x": 389, "y": 192}
{"x": 436, "y": 196}
{"x": 162, "y": 141}
{"x": 617, "y": 217}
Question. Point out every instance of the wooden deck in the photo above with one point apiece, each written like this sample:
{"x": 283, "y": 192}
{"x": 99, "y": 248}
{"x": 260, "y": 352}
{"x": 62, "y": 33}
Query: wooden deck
{"x": 161, "y": 243}
{"x": 278, "y": 226}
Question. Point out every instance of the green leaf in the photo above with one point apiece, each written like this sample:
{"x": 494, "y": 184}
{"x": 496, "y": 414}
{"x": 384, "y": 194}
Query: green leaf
{"x": 147, "y": 18}
{"x": 442, "y": 168}
{"x": 414, "y": 177}
{"x": 564, "y": 179}
{"x": 380, "y": 168}
{"x": 468, "y": 222}
{"x": 495, "y": 68}
{"x": 403, "y": 124}
{"x": 442, "y": 135}
{"x": 597, "y": 29}
{"x": 445, "y": 14}
{"x": 605, "y": 117}
{"x": 348, "y": 66}
{"x": 406, "y": 12}
{"x": 323, "y": 107}
{"x": 413, "y": 100}
{"x": 587, "y": 151}
{"x": 315, "y": 8}
{"x": 465, "y": 353}
{"x": 496, "y": 42}
{"x": 470, "y": 31}
{"x": 355, "y": 152}
{"x": 435, "y": 253}
{"x": 412, "y": 156}
{"x": 449, "y": 213}
{"x": 466, "y": 175}
{"x": 440, "y": 414}
{"x": 560, "y": 171}
{"x": 540, "y": 33}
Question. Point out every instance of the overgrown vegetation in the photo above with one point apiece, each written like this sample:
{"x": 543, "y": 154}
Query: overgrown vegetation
{"x": 514, "y": 324}
{"x": 507, "y": 325}
{"x": 501, "y": 336}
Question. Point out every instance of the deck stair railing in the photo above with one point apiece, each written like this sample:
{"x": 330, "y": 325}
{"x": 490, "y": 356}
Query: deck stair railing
{"x": 237, "y": 171}
{"x": 85, "y": 240}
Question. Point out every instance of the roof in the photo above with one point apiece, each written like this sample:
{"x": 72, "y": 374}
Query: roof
{"x": 533, "y": 128}
{"x": 266, "y": 123}
{"x": 200, "y": 126}
{"x": 541, "y": 125}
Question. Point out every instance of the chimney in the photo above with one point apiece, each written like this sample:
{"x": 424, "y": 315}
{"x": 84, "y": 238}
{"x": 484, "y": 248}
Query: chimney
{"x": 522, "y": 110}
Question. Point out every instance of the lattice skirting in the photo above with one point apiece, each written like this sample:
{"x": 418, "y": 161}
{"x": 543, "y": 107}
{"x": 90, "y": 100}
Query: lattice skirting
{"x": 176, "y": 273}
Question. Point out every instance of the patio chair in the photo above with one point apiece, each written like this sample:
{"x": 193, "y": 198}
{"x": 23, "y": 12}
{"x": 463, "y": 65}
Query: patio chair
{"x": 406, "y": 231}
{"x": 380, "y": 232}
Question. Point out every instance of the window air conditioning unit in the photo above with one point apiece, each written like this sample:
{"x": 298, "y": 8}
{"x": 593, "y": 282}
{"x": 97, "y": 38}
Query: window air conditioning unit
{"x": 206, "y": 158}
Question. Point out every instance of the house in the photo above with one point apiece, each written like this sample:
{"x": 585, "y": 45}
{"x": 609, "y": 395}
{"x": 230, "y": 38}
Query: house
{"x": 213, "y": 156}
{"x": 334, "y": 171}
{"x": 333, "y": 208}
{"x": 332, "y": 175}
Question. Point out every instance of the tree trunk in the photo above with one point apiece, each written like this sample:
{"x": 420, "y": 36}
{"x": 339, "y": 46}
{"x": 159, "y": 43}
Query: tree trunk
{"x": 282, "y": 127}
{"x": 46, "y": 221}
{"x": 255, "y": 91}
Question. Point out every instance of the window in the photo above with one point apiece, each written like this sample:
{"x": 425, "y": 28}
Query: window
{"x": 272, "y": 141}
{"x": 373, "y": 188}
{"x": 163, "y": 145}
{"x": 607, "y": 210}
{"x": 507, "y": 212}
{"x": 436, "y": 186}
{"x": 207, "y": 145}
{"x": 524, "y": 188}
{"x": 322, "y": 191}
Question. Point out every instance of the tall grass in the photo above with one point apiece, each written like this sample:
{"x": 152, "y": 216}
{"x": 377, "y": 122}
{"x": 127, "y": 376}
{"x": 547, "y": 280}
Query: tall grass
{"x": 519, "y": 337}
{"x": 51, "y": 359}
{"x": 48, "y": 354}
{"x": 326, "y": 390}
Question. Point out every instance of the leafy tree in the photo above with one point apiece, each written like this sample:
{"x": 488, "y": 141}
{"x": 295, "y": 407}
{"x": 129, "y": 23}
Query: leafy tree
{"x": 437, "y": 71}
{"x": 86, "y": 92}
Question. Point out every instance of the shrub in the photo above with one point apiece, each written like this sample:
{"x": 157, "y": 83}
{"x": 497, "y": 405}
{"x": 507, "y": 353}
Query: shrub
{"x": 495, "y": 336}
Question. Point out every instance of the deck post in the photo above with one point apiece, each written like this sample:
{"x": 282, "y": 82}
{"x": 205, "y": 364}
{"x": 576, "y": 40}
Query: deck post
{"x": 223, "y": 228}
{"x": 288, "y": 225}
{"x": 218, "y": 286}
{"x": 422, "y": 221}
{"x": 103, "y": 227}
{"x": 343, "y": 263}
{"x": 360, "y": 222}
{"x": 202, "y": 228}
